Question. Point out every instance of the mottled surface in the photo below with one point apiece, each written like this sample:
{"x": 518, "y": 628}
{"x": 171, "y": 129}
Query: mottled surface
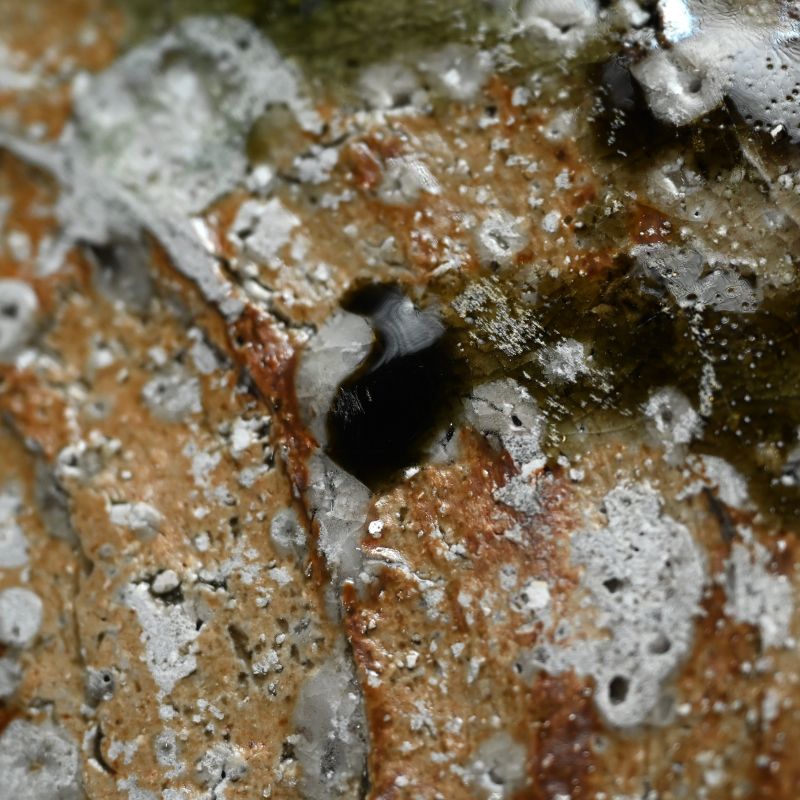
{"x": 572, "y": 578}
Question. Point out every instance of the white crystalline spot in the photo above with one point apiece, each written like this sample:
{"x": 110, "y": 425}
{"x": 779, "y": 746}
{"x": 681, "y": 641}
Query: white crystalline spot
{"x": 20, "y": 616}
{"x": 564, "y": 362}
{"x": 262, "y": 229}
{"x": 492, "y": 318}
{"x": 13, "y": 544}
{"x": 404, "y": 179}
{"x": 141, "y": 518}
{"x": 287, "y": 533}
{"x": 500, "y": 238}
{"x": 757, "y": 596}
{"x": 168, "y": 633}
{"x": 678, "y": 21}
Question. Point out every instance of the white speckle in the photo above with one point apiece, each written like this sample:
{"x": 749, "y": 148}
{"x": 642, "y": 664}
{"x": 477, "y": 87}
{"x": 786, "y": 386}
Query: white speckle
{"x": 551, "y": 222}
{"x": 280, "y": 575}
{"x": 141, "y": 518}
{"x": 166, "y": 582}
{"x": 375, "y": 527}
{"x": 533, "y": 597}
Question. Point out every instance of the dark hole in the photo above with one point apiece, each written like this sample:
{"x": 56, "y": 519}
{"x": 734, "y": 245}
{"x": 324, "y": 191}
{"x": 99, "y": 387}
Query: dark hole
{"x": 388, "y": 410}
{"x": 613, "y": 584}
{"x": 618, "y": 690}
{"x": 9, "y": 310}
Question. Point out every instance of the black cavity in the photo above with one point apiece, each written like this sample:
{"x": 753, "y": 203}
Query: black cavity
{"x": 386, "y": 412}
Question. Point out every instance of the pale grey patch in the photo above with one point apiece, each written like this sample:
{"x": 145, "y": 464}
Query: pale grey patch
{"x": 405, "y": 178}
{"x": 39, "y": 762}
{"x": 95, "y": 210}
{"x": 681, "y": 272}
{"x": 173, "y": 394}
{"x": 168, "y": 635}
{"x": 500, "y": 238}
{"x": 331, "y": 729}
{"x": 339, "y": 346}
{"x": 10, "y": 676}
{"x": 99, "y": 685}
{"x": 389, "y": 85}
{"x": 757, "y": 596}
{"x": 135, "y": 792}
{"x": 220, "y": 766}
{"x": 19, "y": 312}
{"x": 339, "y": 503}
{"x": 505, "y": 412}
{"x": 20, "y": 616}
{"x": 169, "y": 119}
{"x": 121, "y": 270}
{"x": 672, "y": 419}
{"x": 288, "y": 534}
{"x": 52, "y": 502}
{"x": 167, "y": 751}
{"x": 752, "y": 58}
{"x": 499, "y": 768}
{"x": 643, "y": 575}
{"x": 13, "y": 543}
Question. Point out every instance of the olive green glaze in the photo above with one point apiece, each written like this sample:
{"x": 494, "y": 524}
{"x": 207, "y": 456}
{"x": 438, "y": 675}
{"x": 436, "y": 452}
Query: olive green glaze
{"x": 333, "y": 39}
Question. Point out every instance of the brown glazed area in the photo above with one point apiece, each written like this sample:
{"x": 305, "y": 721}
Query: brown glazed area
{"x": 399, "y": 400}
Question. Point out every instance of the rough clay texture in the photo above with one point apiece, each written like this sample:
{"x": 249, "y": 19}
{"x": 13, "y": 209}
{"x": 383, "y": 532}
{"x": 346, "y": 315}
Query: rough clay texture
{"x": 566, "y": 597}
